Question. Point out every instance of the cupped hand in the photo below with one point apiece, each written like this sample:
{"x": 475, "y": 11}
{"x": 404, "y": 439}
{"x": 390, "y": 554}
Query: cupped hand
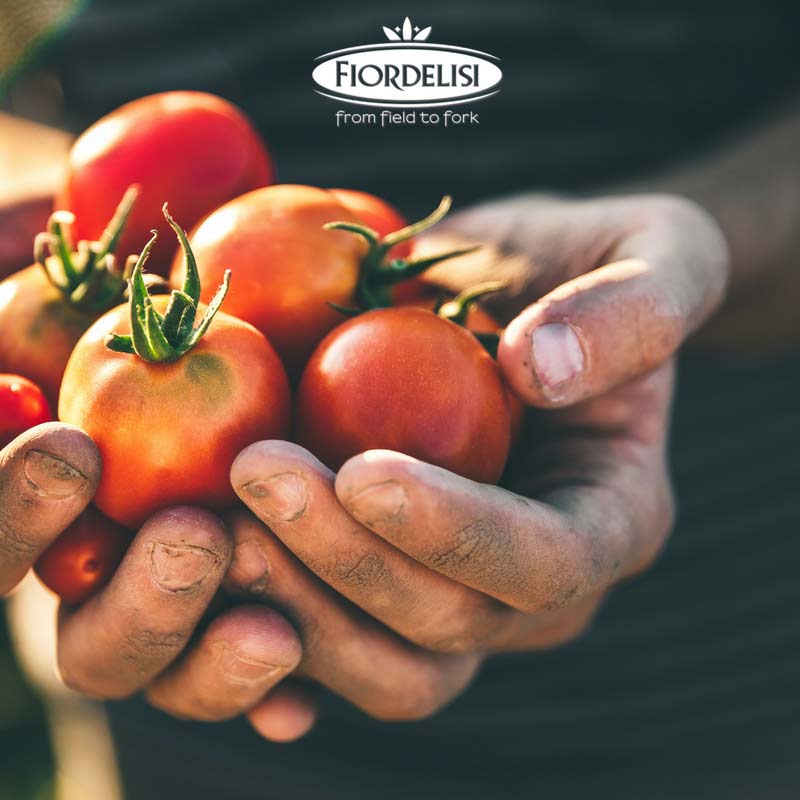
{"x": 148, "y": 631}
{"x": 145, "y": 631}
{"x": 419, "y": 574}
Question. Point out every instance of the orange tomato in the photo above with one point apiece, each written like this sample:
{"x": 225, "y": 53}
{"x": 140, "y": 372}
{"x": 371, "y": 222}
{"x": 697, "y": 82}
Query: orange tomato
{"x": 287, "y": 267}
{"x": 169, "y": 432}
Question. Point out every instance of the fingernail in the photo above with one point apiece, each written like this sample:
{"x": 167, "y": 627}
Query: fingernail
{"x": 250, "y": 568}
{"x": 557, "y": 359}
{"x": 49, "y": 476}
{"x": 180, "y": 567}
{"x": 283, "y": 496}
{"x": 245, "y": 670}
{"x": 379, "y": 502}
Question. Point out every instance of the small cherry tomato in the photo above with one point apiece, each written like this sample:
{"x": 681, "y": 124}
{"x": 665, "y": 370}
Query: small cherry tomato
{"x": 405, "y": 379}
{"x": 288, "y": 268}
{"x": 22, "y": 406}
{"x": 170, "y": 394}
{"x": 191, "y": 149}
{"x": 83, "y": 558}
{"x": 45, "y": 308}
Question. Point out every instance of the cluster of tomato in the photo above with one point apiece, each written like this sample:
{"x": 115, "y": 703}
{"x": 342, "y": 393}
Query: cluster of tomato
{"x": 328, "y": 337}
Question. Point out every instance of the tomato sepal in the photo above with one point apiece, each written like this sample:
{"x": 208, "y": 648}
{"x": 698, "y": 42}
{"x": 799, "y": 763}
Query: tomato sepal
{"x": 377, "y": 276}
{"x": 164, "y": 338}
{"x": 86, "y": 274}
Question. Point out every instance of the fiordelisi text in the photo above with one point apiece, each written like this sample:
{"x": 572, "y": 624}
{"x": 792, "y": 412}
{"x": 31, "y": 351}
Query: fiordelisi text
{"x": 407, "y": 72}
{"x": 350, "y": 75}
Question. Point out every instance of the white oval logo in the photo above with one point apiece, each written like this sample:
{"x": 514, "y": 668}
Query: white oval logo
{"x": 407, "y": 73}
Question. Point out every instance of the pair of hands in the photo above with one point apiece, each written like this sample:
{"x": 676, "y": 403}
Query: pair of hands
{"x": 392, "y": 581}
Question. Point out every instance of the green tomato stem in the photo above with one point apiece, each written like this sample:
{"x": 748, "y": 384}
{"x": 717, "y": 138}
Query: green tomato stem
{"x": 377, "y": 276}
{"x": 157, "y": 338}
{"x": 86, "y": 274}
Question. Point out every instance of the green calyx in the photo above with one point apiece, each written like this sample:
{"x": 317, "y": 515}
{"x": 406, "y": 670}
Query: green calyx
{"x": 378, "y": 276}
{"x": 457, "y": 310}
{"x": 88, "y": 274}
{"x": 163, "y": 338}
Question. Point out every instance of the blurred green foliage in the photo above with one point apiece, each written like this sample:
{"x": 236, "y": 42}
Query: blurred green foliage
{"x": 26, "y": 760}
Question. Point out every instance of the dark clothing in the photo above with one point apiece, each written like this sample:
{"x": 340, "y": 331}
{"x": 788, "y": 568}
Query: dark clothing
{"x": 688, "y": 685}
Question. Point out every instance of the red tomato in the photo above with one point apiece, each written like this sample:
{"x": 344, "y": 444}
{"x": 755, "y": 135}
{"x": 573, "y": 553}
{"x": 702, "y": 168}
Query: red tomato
{"x": 38, "y": 328}
{"x": 168, "y": 433}
{"x": 83, "y": 558}
{"x": 407, "y": 380}
{"x": 287, "y": 267}
{"x": 191, "y": 149}
{"x": 479, "y": 321}
{"x": 22, "y": 406}
{"x": 43, "y": 312}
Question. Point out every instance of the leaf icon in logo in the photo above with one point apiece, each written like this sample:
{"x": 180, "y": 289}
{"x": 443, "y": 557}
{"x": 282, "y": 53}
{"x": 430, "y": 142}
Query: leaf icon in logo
{"x": 408, "y": 33}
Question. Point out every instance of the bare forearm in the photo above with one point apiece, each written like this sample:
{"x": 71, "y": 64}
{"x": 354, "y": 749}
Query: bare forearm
{"x": 753, "y": 190}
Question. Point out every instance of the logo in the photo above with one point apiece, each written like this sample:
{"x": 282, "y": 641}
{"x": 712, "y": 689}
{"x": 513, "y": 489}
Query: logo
{"x": 407, "y": 71}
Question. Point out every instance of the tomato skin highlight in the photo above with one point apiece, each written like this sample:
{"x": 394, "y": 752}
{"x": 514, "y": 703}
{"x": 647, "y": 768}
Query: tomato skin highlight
{"x": 191, "y": 149}
{"x": 39, "y": 329}
{"x": 83, "y": 558}
{"x": 287, "y": 268}
{"x": 22, "y": 406}
{"x": 169, "y": 432}
{"x": 404, "y": 379}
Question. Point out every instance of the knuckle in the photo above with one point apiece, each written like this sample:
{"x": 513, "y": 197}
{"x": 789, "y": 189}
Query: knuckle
{"x": 196, "y": 708}
{"x": 80, "y": 678}
{"x": 679, "y": 211}
{"x": 360, "y": 570}
{"x": 568, "y": 569}
{"x": 663, "y": 515}
{"x": 681, "y": 215}
{"x": 465, "y": 630}
{"x": 421, "y": 697}
{"x": 145, "y": 648}
{"x": 569, "y": 624}
{"x": 472, "y": 549}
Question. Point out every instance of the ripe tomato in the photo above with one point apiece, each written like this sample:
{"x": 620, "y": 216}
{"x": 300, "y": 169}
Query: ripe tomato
{"x": 191, "y": 149}
{"x": 22, "y": 406}
{"x": 45, "y": 308}
{"x": 480, "y": 321}
{"x": 170, "y": 406}
{"x": 287, "y": 266}
{"x": 39, "y": 329}
{"x": 407, "y": 380}
{"x": 83, "y": 558}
